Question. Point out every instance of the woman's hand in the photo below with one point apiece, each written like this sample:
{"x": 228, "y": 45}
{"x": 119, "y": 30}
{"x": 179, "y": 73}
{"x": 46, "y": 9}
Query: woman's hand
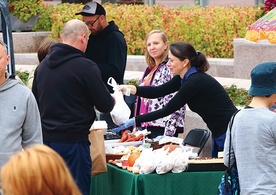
{"x": 127, "y": 89}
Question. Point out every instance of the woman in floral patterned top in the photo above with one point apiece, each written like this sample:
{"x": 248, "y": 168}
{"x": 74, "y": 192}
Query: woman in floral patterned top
{"x": 158, "y": 73}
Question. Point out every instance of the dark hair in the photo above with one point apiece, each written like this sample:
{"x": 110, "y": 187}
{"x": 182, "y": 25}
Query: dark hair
{"x": 44, "y": 48}
{"x": 184, "y": 50}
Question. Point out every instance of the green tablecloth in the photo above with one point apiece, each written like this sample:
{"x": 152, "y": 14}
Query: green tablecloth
{"x": 121, "y": 182}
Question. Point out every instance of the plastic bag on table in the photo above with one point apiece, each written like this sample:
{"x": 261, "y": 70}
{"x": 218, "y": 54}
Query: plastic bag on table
{"x": 121, "y": 112}
{"x": 159, "y": 154}
{"x": 180, "y": 159}
{"x": 165, "y": 165}
{"x": 146, "y": 155}
{"x": 147, "y": 163}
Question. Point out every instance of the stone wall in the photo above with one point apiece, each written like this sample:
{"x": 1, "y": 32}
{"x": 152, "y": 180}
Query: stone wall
{"x": 27, "y": 42}
{"x": 248, "y": 54}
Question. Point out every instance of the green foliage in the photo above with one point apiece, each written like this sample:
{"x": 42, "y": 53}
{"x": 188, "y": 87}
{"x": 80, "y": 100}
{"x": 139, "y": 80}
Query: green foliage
{"x": 239, "y": 96}
{"x": 44, "y": 22}
{"x": 211, "y": 30}
{"x": 23, "y": 76}
{"x": 61, "y": 14}
{"x": 53, "y": 17}
{"x": 24, "y": 9}
{"x": 135, "y": 82}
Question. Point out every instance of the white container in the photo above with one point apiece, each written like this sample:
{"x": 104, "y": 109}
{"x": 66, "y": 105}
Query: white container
{"x": 99, "y": 125}
{"x": 115, "y": 142}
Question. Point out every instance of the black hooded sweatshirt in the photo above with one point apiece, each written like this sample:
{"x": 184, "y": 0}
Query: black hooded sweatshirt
{"x": 67, "y": 86}
{"x": 108, "y": 50}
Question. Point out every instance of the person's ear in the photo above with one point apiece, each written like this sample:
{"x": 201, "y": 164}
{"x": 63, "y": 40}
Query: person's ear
{"x": 185, "y": 63}
{"x": 84, "y": 38}
{"x": 166, "y": 45}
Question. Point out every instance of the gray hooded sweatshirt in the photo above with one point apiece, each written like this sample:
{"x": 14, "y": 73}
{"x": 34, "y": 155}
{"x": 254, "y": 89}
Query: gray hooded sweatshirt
{"x": 20, "y": 124}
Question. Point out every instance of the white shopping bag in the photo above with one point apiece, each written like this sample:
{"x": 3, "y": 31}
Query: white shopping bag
{"x": 121, "y": 112}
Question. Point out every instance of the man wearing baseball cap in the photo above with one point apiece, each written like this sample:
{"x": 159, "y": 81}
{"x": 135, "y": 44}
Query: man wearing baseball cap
{"x": 106, "y": 47}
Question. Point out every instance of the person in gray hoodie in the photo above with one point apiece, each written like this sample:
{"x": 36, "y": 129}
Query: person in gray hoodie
{"x": 19, "y": 119}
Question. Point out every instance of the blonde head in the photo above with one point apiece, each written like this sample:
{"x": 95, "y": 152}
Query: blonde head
{"x": 37, "y": 170}
{"x": 149, "y": 59}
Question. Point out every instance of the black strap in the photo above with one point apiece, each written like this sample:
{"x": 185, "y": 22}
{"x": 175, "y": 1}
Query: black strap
{"x": 230, "y": 137}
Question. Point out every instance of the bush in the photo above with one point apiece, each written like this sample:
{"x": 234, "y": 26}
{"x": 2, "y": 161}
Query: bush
{"x": 135, "y": 82}
{"x": 53, "y": 17}
{"x": 24, "y": 9}
{"x": 210, "y": 30}
{"x": 23, "y": 76}
{"x": 239, "y": 96}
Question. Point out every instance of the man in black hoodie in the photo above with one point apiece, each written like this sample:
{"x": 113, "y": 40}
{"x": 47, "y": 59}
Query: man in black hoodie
{"x": 106, "y": 46}
{"x": 67, "y": 87}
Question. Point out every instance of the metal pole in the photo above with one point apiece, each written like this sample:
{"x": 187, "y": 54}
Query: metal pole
{"x": 259, "y": 2}
{"x": 150, "y": 2}
{"x": 7, "y": 34}
{"x": 202, "y": 3}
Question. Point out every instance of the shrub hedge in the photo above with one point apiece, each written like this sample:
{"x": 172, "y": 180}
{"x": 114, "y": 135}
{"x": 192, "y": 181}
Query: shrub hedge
{"x": 211, "y": 29}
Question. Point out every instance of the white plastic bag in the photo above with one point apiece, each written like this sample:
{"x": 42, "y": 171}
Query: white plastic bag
{"x": 121, "y": 112}
{"x": 180, "y": 158}
{"x": 165, "y": 165}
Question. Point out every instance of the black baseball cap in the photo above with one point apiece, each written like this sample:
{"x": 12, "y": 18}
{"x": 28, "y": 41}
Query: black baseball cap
{"x": 91, "y": 9}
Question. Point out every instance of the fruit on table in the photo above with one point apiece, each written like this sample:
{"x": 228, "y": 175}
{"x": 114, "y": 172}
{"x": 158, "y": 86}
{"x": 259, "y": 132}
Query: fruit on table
{"x": 132, "y": 158}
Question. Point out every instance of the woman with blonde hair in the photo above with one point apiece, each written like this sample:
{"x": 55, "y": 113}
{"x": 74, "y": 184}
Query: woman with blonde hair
{"x": 37, "y": 170}
{"x": 158, "y": 73}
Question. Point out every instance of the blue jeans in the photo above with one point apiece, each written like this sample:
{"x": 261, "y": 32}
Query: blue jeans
{"x": 218, "y": 145}
{"x": 77, "y": 157}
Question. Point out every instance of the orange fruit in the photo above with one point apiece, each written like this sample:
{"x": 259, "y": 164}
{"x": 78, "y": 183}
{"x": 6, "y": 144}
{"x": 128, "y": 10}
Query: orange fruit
{"x": 132, "y": 158}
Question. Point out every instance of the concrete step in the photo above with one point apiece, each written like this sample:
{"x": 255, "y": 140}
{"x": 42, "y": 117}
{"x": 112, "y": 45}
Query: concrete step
{"x": 227, "y": 82}
{"x": 220, "y": 67}
{"x": 26, "y": 58}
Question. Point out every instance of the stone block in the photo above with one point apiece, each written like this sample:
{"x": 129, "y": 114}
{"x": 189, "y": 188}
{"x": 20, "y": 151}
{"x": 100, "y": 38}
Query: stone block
{"x": 248, "y": 54}
{"x": 221, "y": 67}
{"x": 27, "y": 42}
